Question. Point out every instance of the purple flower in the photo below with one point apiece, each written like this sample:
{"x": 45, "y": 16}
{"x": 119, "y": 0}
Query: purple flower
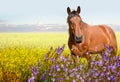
{"x": 112, "y": 78}
{"x": 54, "y": 60}
{"x": 113, "y": 68}
{"x": 62, "y": 58}
{"x": 60, "y": 79}
{"x": 60, "y": 49}
{"x": 72, "y": 74}
{"x": 102, "y": 74}
{"x": 108, "y": 48}
{"x": 89, "y": 80}
{"x": 100, "y": 63}
{"x": 34, "y": 70}
{"x": 105, "y": 56}
{"x": 56, "y": 67}
{"x": 74, "y": 80}
{"x": 104, "y": 68}
{"x": 108, "y": 78}
{"x": 75, "y": 69}
{"x": 31, "y": 79}
{"x": 118, "y": 74}
{"x": 96, "y": 74}
{"x": 118, "y": 62}
{"x": 43, "y": 77}
{"x": 78, "y": 75}
{"x": 84, "y": 76}
{"x": 65, "y": 69}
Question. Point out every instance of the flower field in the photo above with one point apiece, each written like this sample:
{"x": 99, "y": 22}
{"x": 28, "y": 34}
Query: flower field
{"x": 43, "y": 57}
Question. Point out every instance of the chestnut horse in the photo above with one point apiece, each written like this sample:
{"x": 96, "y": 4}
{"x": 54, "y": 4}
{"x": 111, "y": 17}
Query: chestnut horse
{"x": 84, "y": 38}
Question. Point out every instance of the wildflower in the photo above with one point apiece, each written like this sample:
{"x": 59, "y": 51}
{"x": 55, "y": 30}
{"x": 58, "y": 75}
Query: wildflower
{"x": 105, "y": 56}
{"x": 78, "y": 75}
{"x": 99, "y": 56}
{"x": 34, "y": 70}
{"x": 47, "y": 55}
{"x": 60, "y": 49}
{"x": 114, "y": 58}
{"x": 54, "y": 60}
{"x": 31, "y": 79}
{"x": 74, "y": 80}
{"x": 75, "y": 69}
{"x": 50, "y": 74}
{"x": 67, "y": 78}
{"x": 62, "y": 65}
{"x": 64, "y": 59}
{"x": 104, "y": 68}
{"x": 113, "y": 68}
{"x": 118, "y": 74}
{"x": 108, "y": 48}
{"x": 60, "y": 79}
{"x": 96, "y": 74}
{"x": 66, "y": 65}
{"x": 118, "y": 62}
{"x": 102, "y": 74}
{"x": 56, "y": 67}
{"x": 100, "y": 63}
{"x": 97, "y": 62}
{"x": 43, "y": 77}
{"x": 53, "y": 79}
{"x": 92, "y": 63}
{"x": 65, "y": 69}
{"x": 72, "y": 74}
{"x": 108, "y": 78}
{"x": 89, "y": 80}
{"x": 82, "y": 80}
{"x": 84, "y": 76}
{"x": 112, "y": 78}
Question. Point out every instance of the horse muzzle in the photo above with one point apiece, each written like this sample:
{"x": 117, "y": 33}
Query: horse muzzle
{"x": 78, "y": 39}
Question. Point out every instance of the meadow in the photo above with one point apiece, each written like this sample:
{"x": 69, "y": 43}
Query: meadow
{"x": 19, "y": 51}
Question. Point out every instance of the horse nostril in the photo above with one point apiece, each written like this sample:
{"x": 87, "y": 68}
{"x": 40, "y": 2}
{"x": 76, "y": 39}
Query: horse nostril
{"x": 78, "y": 39}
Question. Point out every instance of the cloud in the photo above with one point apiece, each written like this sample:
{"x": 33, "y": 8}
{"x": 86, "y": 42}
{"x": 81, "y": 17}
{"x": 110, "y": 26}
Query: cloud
{"x": 2, "y": 21}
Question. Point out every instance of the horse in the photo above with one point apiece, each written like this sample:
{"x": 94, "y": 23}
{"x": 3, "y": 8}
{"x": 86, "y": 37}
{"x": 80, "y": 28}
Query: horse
{"x": 88, "y": 39}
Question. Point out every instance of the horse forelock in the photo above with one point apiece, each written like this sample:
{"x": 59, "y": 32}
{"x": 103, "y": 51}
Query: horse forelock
{"x": 73, "y": 13}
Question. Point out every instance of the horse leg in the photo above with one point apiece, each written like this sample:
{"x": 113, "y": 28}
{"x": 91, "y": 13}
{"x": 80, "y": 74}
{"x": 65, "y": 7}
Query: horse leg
{"x": 76, "y": 51}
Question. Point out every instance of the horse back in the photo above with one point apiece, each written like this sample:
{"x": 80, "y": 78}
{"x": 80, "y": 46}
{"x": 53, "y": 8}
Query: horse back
{"x": 100, "y": 35}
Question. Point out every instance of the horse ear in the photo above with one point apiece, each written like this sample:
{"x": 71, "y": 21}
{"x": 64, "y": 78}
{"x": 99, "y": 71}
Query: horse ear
{"x": 78, "y": 10}
{"x": 68, "y": 11}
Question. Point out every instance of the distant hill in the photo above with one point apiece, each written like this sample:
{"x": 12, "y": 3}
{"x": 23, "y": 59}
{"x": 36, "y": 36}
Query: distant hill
{"x": 32, "y": 28}
{"x": 41, "y": 28}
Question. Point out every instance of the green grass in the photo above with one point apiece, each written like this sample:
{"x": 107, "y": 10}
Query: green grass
{"x": 18, "y": 51}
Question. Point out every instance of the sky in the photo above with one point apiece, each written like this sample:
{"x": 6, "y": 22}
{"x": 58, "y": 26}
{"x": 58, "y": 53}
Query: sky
{"x": 55, "y": 11}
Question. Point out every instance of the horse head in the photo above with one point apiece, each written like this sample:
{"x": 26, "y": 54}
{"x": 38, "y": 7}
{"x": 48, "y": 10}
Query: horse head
{"x": 75, "y": 24}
